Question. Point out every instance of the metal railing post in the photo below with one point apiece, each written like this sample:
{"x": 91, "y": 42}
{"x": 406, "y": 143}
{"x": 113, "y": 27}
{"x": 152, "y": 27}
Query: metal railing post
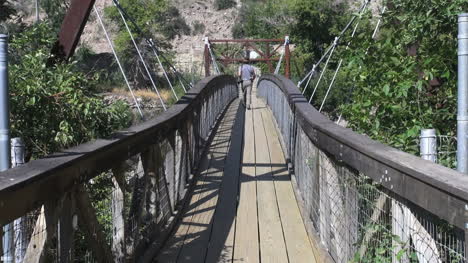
{"x": 462, "y": 115}
{"x": 37, "y": 11}
{"x": 20, "y": 232}
{"x": 428, "y": 145}
{"x": 207, "y": 58}
{"x": 5, "y": 160}
{"x": 4, "y": 106}
{"x": 287, "y": 59}
{"x": 462, "y": 100}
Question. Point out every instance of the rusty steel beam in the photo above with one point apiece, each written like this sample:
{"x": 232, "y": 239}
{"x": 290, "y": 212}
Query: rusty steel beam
{"x": 287, "y": 60}
{"x": 276, "y": 49}
{"x": 268, "y": 54}
{"x": 207, "y": 60}
{"x": 71, "y": 30}
{"x": 255, "y": 48}
{"x": 250, "y": 44}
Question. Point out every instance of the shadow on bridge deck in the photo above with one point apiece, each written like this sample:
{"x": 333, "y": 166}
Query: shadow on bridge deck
{"x": 243, "y": 207}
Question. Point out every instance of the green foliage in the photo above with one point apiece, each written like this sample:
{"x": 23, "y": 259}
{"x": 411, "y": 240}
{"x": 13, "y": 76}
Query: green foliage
{"x": 100, "y": 189}
{"x": 382, "y": 247}
{"x": 55, "y": 11}
{"x": 316, "y": 24}
{"x": 224, "y": 4}
{"x": 396, "y": 93}
{"x": 156, "y": 18}
{"x": 174, "y": 24}
{"x": 311, "y": 25}
{"x": 263, "y": 19}
{"x": 6, "y": 10}
{"x": 198, "y": 28}
{"x": 55, "y": 107}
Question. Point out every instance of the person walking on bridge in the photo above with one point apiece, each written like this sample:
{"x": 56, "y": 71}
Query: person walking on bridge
{"x": 247, "y": 77}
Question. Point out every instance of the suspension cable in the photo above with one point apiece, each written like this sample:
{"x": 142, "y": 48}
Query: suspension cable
{"x": 323, "y": 70}
{"x": 377, "y": 27}
{"x": 341, "y": 60}
{"x": 378, "y": 23}
{"x": 278, "y": 66}
{"x": 331, "y": 85}
{"x": 338, "y": 37}
{"x": 324, "y": 56}
{"x": 118, "y": 60}
{"x": 142, "y": 60}
{"x": 165, "y": 73}
{"x": 308, "y": 80}
{"x": 213, "y": 58}
{"x": 150, "y": 43}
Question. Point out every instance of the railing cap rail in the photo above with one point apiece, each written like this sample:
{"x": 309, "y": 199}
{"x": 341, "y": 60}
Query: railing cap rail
{"x": 426, "y": 184}
{"x": 26, "y": 187}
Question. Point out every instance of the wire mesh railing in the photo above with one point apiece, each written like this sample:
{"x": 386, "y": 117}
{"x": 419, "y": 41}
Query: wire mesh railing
{"x": 113, "y": 200}
{"x": 362, "y": 201}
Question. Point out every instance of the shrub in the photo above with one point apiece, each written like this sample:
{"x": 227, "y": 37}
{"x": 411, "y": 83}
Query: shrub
{"x": 174, "y": 24}
{"x": 7, "y": 10}
{"x": 398, "y": 92}
{"x": 55, "y": 107}
{"x": 158, "y": 20}
{"x": 224, "y": 4}
{"x": 198, "y": 28}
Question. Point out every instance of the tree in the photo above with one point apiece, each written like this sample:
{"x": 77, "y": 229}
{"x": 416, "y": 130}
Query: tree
{"x": 315, "y": 26}
{"x": 55, "y": 107}
{"x": 156, "y": 19}
{"x": 311, "y": 25}
{"x": 406, "y": 79}
{"x": 7, "y": 10}
{"x": 55, "y": 11}
{"x": 224, "y": 4}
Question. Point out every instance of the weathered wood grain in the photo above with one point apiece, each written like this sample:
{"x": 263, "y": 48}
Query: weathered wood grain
{"x": 66, "y": 229}
{"x": 272, "y": 245}
{"x": 221, "y": 246}
{"x": 246, "y": 246}
{"x": 93, "y": 231}
{"x": 199, "y": 231}
{"x": 25, "y": 188}
{"x": 118, "y": 214}
{"x": 297, "y": 242}
{"x": 174, "y": 246}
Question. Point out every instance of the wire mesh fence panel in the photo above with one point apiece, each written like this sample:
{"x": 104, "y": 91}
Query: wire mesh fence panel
{"x": 362, "y": 201}
{"x": 447, "y": 150}
{"x": 113, "y": 200}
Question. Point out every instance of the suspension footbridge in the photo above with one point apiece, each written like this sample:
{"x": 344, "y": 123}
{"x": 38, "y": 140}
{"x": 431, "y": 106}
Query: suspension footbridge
{"x": 210, "y": 181}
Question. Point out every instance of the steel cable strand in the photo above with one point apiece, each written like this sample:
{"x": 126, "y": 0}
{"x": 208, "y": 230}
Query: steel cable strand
{"x": 278, "y": 66}
{"x": 312, "y": 72}
{"x": 341, "y": 60}
{"x": 150, "y": 42}
{"x": 118, "y": 60}
{"x": 376, "y": 30}
{"x": 324, "y": 69}
{"x": 142, "y": 60}
{"x": 181, "y": 82}
{"x": 309, "y": 79}
{"x": 165, "y": 73}
{"x": 213, "y": 58}
{"x": 337, "y": 39}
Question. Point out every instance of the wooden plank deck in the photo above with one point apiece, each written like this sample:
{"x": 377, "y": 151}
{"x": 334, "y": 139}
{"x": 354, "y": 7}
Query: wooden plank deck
{"x": 243, "y": 207}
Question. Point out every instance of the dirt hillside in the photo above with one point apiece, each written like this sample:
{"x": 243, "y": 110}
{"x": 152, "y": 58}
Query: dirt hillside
{"x": 217, "y": 24}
